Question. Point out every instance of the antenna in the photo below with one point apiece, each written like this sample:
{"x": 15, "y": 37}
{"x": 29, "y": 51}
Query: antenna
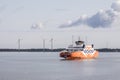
{"x": 86, "y": 40}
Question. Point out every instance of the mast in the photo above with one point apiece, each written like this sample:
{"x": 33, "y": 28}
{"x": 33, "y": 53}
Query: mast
{"x": 79, "y": 38}
{"x": 72, "y": 40}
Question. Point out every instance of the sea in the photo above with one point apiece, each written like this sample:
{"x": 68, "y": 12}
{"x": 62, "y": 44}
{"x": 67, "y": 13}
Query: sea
{"x": 49, "y": 66}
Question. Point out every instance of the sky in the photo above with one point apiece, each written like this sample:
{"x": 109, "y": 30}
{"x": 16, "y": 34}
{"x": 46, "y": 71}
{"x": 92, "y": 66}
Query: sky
{"x": 34, "y": 21}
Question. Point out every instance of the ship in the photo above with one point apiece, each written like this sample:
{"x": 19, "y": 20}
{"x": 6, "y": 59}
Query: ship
{"x": 79, "y": 51}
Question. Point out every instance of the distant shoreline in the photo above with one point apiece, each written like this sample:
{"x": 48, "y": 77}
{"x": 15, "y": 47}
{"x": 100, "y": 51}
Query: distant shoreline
{"x": 53, "y": 50}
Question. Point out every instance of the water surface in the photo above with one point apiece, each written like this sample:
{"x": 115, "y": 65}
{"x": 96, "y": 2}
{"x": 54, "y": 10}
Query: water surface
{"x": 49, "y": 66}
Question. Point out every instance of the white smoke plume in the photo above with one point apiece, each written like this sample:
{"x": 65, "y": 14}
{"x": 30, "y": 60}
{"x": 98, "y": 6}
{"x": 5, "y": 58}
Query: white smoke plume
{"x": 103, "y": 18}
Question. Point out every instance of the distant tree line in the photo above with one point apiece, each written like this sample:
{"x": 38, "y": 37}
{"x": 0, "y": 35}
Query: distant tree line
{"x": 53, "y": 50}
{"x": 32, "y": 50}
{"x": 108, "y": 50}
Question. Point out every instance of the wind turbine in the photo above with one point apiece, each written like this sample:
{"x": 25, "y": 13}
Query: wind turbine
{"x": 19, "y": 44}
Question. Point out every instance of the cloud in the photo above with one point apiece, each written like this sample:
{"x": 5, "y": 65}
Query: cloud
{"x": 103, "y": 18}
{"x": 37, "y": 25}
{"x": 116, "y": 6}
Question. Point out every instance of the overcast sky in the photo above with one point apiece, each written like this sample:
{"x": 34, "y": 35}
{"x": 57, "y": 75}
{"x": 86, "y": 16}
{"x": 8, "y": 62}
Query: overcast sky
{"x": 94, "y": 21}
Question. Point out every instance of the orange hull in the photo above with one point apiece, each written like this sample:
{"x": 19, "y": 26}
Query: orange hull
{"x": 79, "y": 55}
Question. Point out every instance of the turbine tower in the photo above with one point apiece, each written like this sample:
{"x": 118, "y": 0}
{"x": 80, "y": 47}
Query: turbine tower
{"x": 43, "y": 45}
{"x": 19, "y": 44}
{"x": 51, "y": 43}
